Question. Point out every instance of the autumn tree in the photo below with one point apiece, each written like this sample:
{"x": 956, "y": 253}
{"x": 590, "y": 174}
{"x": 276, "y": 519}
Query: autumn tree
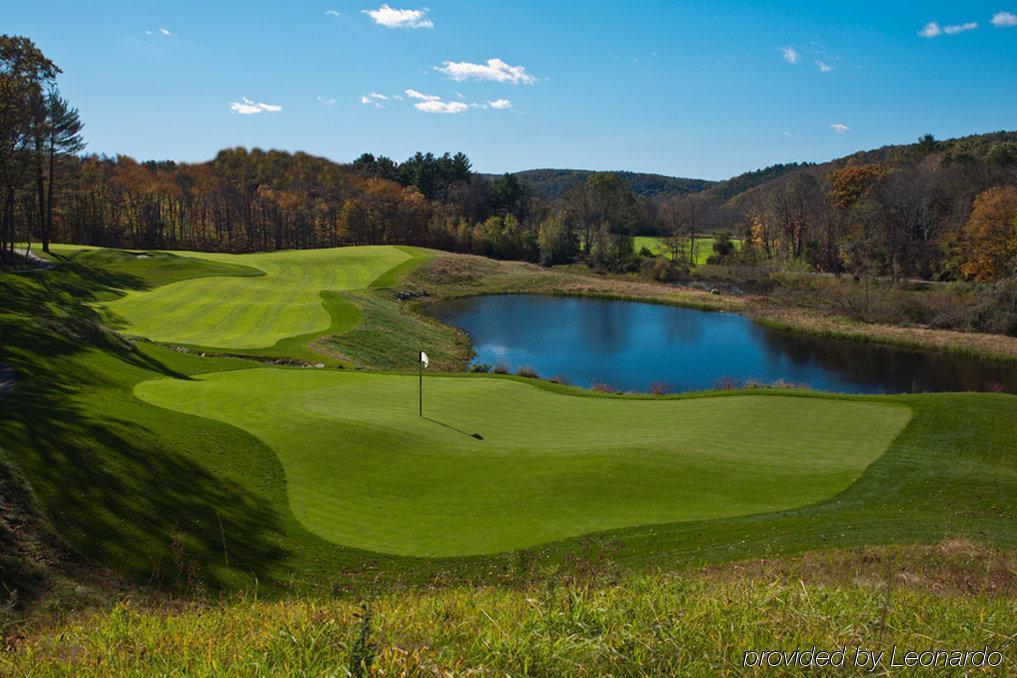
{"x": 990, "y": 235}
{"x": 25, "y": 72}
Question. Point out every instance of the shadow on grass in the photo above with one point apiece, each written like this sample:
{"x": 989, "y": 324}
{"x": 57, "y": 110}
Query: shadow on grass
{"x": 453, "y": 428}
{"x": 126, "y": 484}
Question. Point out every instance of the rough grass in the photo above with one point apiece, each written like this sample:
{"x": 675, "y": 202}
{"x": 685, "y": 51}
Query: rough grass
{"x": 451, "y": 276}
{"x": 388, "y": 337}
{"x": 364, "y": 470}
{"x": 578, "y": 620}
{"x": 992, "y": 346}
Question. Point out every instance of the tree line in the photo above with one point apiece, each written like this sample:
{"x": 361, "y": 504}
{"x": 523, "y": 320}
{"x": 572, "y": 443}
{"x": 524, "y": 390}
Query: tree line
{"x": 931, "y": 209}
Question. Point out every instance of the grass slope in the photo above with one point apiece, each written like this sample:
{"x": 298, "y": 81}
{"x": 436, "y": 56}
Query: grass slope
{"x": 364, "y": 470}
{"x": 953, "y": 596}
{"x": 230, "y": 312}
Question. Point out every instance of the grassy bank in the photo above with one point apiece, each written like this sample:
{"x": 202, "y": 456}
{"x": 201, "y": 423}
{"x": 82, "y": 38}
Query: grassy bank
{"x": 578, "y": 620}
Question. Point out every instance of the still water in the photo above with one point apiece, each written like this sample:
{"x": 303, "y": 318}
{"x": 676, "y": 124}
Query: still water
{"x": 630, "y": 346}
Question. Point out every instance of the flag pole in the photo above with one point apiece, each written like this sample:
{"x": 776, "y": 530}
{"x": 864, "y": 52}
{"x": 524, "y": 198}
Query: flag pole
{"x": 420, "y": 389}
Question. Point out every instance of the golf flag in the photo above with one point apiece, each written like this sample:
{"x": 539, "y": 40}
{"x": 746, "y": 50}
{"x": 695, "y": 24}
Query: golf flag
{"x": 424, "y": 360}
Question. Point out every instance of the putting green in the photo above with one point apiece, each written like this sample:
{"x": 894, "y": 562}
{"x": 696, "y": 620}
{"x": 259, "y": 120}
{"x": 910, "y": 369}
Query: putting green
{"x": 253, "y": 312}
{"x": 364, "y": 470}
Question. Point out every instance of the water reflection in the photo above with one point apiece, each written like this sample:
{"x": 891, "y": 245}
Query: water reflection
{"x": 631, "y": 345}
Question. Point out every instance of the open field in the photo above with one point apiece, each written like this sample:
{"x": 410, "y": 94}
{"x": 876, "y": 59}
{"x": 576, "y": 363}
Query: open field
{"x": 364, "y": 470}
{"x": 703, "y": 246}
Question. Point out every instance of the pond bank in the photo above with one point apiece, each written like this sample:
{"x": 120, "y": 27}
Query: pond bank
{"x": 457, "y": 276}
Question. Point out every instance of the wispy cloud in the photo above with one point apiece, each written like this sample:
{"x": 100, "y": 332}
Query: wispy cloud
{"x": 330, "y": 101}
{"x": 1004, "y": 19}
{"x": 332, "y": 12}
{"x": 414, "y": 94}
{"x": 960, "y": 28}
{"x": 823, "y": 66}
{"x": 933, "y": 29}
{"x": 438, "y": 106}
{"x": 373, "y": 99}
{"x": 432, "y": 103}
{"x": 247, "y": 107}
{"x": 160, "y": 32}
{"x": 494, "y": 69}
{"x": 389, "y": 17}
{"x": 790, "y": 54}
{"x": 840, "y": 128}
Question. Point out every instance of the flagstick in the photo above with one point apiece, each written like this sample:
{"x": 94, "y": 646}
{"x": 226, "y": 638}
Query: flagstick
{"x": 420, "y": 377}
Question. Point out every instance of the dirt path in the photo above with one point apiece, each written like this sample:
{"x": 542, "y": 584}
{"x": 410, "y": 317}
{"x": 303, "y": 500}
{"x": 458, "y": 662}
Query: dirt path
{"x": 36, "y": 260}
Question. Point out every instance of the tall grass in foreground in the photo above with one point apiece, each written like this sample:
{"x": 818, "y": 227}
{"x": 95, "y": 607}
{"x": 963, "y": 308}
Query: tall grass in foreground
{"x": 699, "y": 624}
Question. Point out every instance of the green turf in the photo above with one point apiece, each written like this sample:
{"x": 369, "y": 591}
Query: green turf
{"x": 165, "y": 497}
{"x": 364, "y": 470}
{"x": 231, "y": 312}
{"x": 704, "y": 246}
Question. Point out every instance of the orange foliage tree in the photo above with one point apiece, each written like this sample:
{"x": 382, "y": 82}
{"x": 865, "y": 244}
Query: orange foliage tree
{"x": 990, "y": 235}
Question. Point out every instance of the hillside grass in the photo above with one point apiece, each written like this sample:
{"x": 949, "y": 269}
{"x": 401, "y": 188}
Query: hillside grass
{"x": 364, "y": 470}
{"x": 189, "y": 503}
{"x": 578, "y": 620}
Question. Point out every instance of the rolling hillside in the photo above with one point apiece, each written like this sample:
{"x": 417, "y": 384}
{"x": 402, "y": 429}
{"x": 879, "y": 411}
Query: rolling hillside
{"x": 554, "y": 183}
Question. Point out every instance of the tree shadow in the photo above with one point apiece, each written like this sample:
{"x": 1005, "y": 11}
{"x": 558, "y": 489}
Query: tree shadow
{"x": 141, "y": 489}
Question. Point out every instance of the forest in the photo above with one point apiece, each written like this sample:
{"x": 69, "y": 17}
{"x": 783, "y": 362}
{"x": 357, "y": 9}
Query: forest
{"x": 938, "y": 210}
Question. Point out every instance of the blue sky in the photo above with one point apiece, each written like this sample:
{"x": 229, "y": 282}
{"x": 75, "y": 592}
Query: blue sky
{"x": 701, "y": 89}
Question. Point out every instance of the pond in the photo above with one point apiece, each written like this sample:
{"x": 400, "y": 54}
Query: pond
{"x": 631, "y": 346}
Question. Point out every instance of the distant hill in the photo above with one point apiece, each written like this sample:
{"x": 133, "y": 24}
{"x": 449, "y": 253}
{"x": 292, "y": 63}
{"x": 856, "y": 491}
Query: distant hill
{"x": 729, "y": 188}
{"x": 554, "y": 183}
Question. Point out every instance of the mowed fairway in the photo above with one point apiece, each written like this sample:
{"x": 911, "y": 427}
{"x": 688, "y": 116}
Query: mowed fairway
{"x": 253, "y": 312}
{"x": 364, "y": 470}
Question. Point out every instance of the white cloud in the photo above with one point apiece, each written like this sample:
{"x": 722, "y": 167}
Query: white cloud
{"x": 430, "y": 103}
{"x": 933, "y": 29}
{"x": 1004, "y": 19}
{"x": 330, "y": 101}
{"x": 823, "y": 66}
{"x": 960, "y": 28}
{"x": 840, "y": 128}
{"x": 414, "y": 94}
{"x": 495, "y": 69}
{"x": 438, "y": 106}
{"x": 500, "y": 104}
{"x": 160, "y": 33}
{"x": 390, "y": 17}
{"x": 373, "y": 99}
{"x": 331, "y": 12}
{"x": 247, "y": 107}
{"x": 790, "y": 54}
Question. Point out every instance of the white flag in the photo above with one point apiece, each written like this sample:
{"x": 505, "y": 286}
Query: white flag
{"x": 423, "y": 359}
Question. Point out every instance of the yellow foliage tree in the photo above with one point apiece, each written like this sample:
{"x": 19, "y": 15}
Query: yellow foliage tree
{"x": 990, "y": 235}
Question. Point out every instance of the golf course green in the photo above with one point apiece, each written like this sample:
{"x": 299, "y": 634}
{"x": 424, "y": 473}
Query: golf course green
{"x": 250, "y": 312}
{"x": 279, "y": 478}
{"x": 364, "y": 470}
